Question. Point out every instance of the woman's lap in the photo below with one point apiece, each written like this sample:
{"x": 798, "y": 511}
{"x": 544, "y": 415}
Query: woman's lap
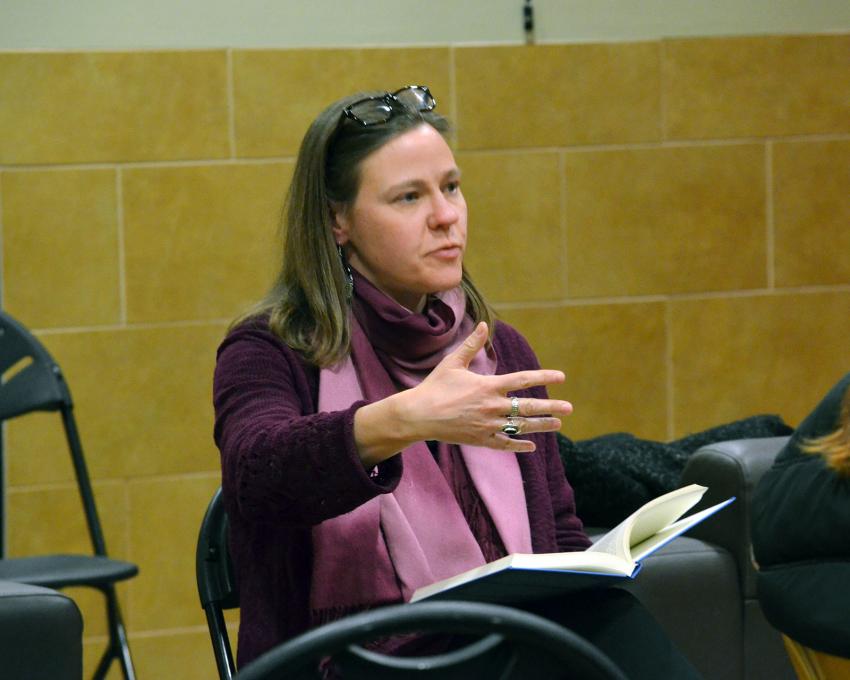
{"x": 617, "y": 623}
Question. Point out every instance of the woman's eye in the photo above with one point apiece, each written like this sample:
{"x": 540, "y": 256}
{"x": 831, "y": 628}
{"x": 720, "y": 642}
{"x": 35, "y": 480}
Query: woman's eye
{"x": 453, "y": 187}
{"x": 408, "y": 197}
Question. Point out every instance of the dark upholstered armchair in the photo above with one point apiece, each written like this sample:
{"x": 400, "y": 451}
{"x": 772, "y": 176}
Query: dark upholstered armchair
{"x": 41, "y": 634}
{"x": 702, "y": 586}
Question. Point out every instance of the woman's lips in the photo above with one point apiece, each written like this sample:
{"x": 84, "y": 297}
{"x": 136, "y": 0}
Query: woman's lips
{"x": 448, "y": 252}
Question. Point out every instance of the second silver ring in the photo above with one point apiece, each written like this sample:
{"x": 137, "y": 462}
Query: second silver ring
{"x": 514, "y": 407}
{"x": 511, "y": 427}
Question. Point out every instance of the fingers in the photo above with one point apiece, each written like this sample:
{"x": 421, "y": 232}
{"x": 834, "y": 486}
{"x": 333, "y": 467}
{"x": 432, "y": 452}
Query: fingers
{"x": 525, "y": 426}
{"x": 464, "y": 354}
{"x": 503, "y": 442}
{"x": 522, "y": 380}
{"x": 531, "y": 425}
{"x": 539, "y": 407}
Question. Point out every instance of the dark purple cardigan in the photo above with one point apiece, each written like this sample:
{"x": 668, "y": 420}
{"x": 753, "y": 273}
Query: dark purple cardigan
{"x": 286, "y": 468}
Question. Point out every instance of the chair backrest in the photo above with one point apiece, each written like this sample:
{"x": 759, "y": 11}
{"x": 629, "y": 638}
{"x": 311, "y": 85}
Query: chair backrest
{"x": 33, "y": 381}
{"x": 36, "y": 383}
{"x": 515, "y": 644}
{"x": 217, "y": 587}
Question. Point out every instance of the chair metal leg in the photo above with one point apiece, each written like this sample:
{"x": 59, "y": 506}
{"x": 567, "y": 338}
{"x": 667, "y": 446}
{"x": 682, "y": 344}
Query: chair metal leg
{"x": 118, "y": 647}
{"x": 123, "y": 652}
{"x": 221, "y": 644}
{"x": 104, "y": 663}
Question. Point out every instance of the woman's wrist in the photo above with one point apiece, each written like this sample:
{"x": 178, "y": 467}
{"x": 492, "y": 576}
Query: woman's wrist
{"x": 382, "y": 429}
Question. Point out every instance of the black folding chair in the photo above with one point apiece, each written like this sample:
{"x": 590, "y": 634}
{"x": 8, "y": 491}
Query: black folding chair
{"x": 505, "y": 643}
{"x": 33, "y": 381}
{"x": 216, "y": 582}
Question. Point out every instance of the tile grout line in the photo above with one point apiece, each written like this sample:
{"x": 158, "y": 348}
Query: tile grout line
{"x": 565, "y": 244}
{"x": 126, "y": 480}
{"x": 662, "y": 90}
{"x": 499, "y": 306}
{"x": 652, "y": 145}
{"x": 668, "y": 352}
{"x": 662, "y": 297}
{"x": 128, "y": 550}
{"x": 122, "y": 259}
{"x": 770, "y": 234}
{"x": 142, "y": 165}
{"x": 567, "y": 148}
{"x": 137, "y": 326}
{"x": 453, "y": 110}
{"x": 231, "y": 108}
{"x": 150, "y": 633}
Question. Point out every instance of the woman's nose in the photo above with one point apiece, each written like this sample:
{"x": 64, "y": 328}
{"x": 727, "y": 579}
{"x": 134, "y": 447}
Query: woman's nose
{"x": 443, "y": 213}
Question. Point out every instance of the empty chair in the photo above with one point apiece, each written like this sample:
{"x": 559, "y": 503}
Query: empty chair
{"x": 32, "y": 382}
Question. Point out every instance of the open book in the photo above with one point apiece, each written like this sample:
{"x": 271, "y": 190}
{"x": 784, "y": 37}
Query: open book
{"x": 616, "y": 555}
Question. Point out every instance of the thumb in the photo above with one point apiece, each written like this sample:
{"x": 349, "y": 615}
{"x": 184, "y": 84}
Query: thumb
{"x": 464, "y": 354}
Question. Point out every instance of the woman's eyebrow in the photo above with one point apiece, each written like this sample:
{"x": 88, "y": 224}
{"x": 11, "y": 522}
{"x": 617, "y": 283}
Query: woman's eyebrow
{"x": 410, "y": 182}
{"x": 417, "y": 182}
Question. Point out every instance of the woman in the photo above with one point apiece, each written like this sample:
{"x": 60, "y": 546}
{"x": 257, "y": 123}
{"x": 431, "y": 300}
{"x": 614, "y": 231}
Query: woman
{"x": 801, "y": 529}
{"x": 365, "y": 412}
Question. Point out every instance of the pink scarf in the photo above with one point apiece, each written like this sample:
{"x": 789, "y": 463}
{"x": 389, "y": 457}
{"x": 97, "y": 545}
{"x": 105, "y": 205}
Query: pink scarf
{"x": 391, "y": 545}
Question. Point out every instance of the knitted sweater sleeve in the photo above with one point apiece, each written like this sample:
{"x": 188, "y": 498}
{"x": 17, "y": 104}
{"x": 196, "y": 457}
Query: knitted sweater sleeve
{"x": 282, "y": 462}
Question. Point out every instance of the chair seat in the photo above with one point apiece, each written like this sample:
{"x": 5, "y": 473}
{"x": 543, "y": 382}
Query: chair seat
{"x": 60, "y": 571}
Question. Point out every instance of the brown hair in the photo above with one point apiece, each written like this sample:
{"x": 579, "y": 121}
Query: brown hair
{"x": 835, "y": 446}
{"x": 307, "y": 306}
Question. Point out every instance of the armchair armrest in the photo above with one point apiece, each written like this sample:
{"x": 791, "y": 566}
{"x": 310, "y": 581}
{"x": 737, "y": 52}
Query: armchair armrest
{"x": 41, "y": 633}
{"x": 732, "y": 468}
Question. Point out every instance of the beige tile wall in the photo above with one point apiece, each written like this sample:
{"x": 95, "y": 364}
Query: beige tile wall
{"x": 668, "y": 222}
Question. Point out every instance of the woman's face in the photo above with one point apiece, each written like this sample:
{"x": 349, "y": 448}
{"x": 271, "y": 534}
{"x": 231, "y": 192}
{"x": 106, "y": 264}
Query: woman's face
{"x": 406, "y": 230}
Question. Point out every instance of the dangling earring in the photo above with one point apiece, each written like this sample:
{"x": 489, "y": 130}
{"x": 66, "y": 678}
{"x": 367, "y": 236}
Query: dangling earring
{"x": 349, "y": 277}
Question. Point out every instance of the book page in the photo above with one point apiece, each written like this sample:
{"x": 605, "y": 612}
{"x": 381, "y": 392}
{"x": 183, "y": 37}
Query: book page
{"x": 653, "y": 543}
{"x": 582, "y": 564}
{"x": 615, "y": 542}
{"x": 648, "y": 520}
{"x": 663, "y": 511}
{"x": 574, "y": 561}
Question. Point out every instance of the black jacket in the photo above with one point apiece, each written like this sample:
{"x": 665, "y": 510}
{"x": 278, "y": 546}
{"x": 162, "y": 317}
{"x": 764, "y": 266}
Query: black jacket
{"x": 801, "y": 538}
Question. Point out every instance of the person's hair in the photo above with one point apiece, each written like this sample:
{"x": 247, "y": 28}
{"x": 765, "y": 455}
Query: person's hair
{"x": 835, "y": 446}
{"x": 307, "y": 306}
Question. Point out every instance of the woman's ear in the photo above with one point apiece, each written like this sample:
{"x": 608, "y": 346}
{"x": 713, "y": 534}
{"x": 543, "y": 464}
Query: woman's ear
{"x": 341, "y": 224}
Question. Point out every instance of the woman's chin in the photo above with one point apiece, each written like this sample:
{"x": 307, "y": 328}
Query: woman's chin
{"x": 446, "y": 283}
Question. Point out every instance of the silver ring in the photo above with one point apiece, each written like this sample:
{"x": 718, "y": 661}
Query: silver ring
{"x": 514, "y": 407}
{"x": 511, "y": 427}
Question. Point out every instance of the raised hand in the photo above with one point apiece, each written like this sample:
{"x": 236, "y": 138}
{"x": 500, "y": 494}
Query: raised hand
{"x": 458, "y": 406}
